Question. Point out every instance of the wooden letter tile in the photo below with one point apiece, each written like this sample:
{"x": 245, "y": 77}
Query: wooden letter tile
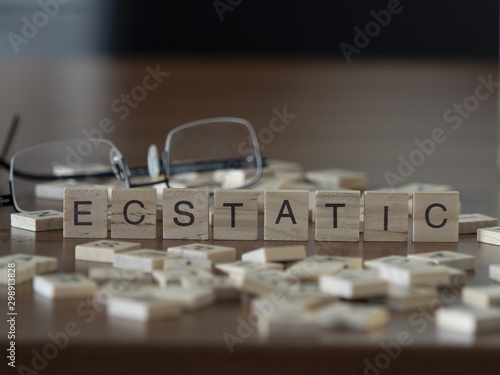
{"x": 37, "y": 221}
{"x": 470, "y": 223}
{"x": 482, "y": 296}
{"x": 286, "y": 215}
{"x": 489, "y": 235}
{"x": 468, "y": 320}
{"x": 64, "y": 286}
{"x": 448, "y": 258}
{"x": 133, "y": 213}
{"x": 337, "y": 216}
{"x": 145, "y": 260}
{"x": 235, "y": 215}
{"x": 275, "y": 254}
{"x": 217, "y": 254}
{"x": 386, "y": 216}
{"x": 85, "y": 212}
{"x": 353, "y": 284}
{"x": 435, "y": 216}
{"x": 103, "y": 250}
{"x": 185, "y": 214}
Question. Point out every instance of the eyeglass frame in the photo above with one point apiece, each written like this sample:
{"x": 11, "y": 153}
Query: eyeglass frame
{"x": 122, "y": 172}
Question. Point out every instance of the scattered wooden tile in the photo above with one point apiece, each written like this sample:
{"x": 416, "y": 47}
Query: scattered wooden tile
{"x": 216, "y": 254}
{"x": 295, "y": 302}
{"x": 354, "y": 284}
{"x": 275, "y": 254}
{"x": 103, "y": 250}
{"x": 287, "y": 323}
{"x": 353, "y": 317}
{"x": 262, "y": 282}
{"x": 64, "y": 286}
{"x": 410, "y": 298}
{"x": 37, "y": 221}
{"x": 483, "y": 296}
{"x": 337, "y": 216}
{"x": 43, "y": 264}
{"x": 286, "y": 215}
{"x": 392, "y": 260}
{"x": 143, "y": 307}
{"x": 205, "y": 264}
{"x": 448, "y": 258}
{"x": 494, "y": 272}
{"x": 22, "y": 271}
{"x": 235, "y": 215}
{"x": 190, "y": 298}
{"x": 224, "y": 287}
{"x": 338, "y": 178}
{"x": 243, "y": 266}
{"x": 115, "y": 274}
{"x": 133, "y": 213}
{"x": 457, "y": 277}
{"x": 167, "y": 277}
{"x": 185, "y": 214}
{"x": 144, "y": 260}
{"x": 489, "y": 235}
{"x": 385, "y": 216}
{"x": 411, "y": 274}
{"x": 313, "y": 267}
{"x": 467, "y": 320}
{"x": 435, "y": 216}
{"x": 470, "y": 223}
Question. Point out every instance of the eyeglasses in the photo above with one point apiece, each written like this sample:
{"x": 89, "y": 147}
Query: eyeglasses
{"x": 220, "y": 152}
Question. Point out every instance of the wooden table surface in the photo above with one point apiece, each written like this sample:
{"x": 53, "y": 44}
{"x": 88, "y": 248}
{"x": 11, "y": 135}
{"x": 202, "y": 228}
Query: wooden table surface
{"x": 361, "y": 116}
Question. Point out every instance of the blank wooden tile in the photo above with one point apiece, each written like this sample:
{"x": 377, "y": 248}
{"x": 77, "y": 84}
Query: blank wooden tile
{"x": 470, "y": 223}
{"x": 142, "y": 307}
{"x": 103, "y": 250}
{"x": 23, "y": 271}
{"x": 217, "y": 254}
{"x": 235, "y": 215}
{"x": 352, "y": 317}
{"x": 457, "y": 277}
{"x": 276, "y": 254}
{"x": 64, "y": 286}
{"x": 494, "y": 272}
{"x": 385, "y": 216}
{"x": 115, "y": 274}
{"x": 37, "y": 221}
{"x": 295, "y": 302}
{"x": 337, "y": 216}
{"x": 145, "y": 260}
{"x": 392, "y": 260}
{"x": 286, "y": 215}
{"x": 283, "y": 323}
{"x": 448, "y": 258}
{"x": 133, "y": 213}
{"x": 353, "y": 284}
{"x": 185, "y": 214}
{"x": 338, "y": 178}
{"x": 467, "y": 320}
{"x": 435, "y": 216}
{"x": 489, "y": 235}
{"x": 482, "y": 296}
{"x": 85, "y": 212}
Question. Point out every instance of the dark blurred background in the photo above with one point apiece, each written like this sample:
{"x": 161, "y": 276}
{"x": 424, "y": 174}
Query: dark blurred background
{"x": 449, "y": 29}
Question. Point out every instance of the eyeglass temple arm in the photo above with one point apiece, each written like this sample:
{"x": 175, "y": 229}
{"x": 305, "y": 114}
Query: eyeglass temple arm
{"x": 212, "y": 166}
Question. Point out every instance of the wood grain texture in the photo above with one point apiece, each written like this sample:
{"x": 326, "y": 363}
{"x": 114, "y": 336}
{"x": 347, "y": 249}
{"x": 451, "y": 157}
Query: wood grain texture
{"x": 385, "y": 216}
{"x": 185, "y": 214}
{"x": 133, "y": 213}
{"x": 337, "y": 216}
{"x": 85, "y": 212}
{"x": 37, "y": 221}
{"x": 235, "y": 215}
{"x": 286, "y": 215}
{"x": 435, "y": 216}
